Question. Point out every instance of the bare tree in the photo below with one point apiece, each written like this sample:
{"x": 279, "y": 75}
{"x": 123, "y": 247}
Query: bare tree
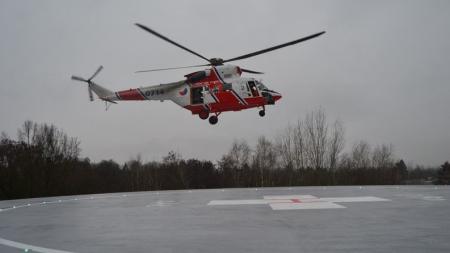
{"x": 291, "y": 147}
{"x": 264, "y": 157}
{"x": 172, "y": 158}
{"x": 316, "y": 130}
{"x": 345, "y": 162}
{"x": 361, "y": 155}
{"x": 310, "y": 143}
{"x": 383, "y": 156}
{"x": 54, "y": 142}
{"x": 3, "y": 137}
{"x": 299, "y": 151}
{"x": 239, "y": 154}
{"x": 25, "y": 133}
{"x": 135, "y": 166}
{"x": 236, "y": 160}
{"x": 285, "y": 148}
{"x": 335, "y": 143}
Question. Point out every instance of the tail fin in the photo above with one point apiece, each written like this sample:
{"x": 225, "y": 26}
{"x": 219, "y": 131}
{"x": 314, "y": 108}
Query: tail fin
{"x": 100, "y": 91}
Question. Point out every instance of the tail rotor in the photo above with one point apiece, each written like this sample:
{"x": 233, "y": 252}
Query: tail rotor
{"x": 91, "y": 96}
{"x": 88, "y": 81}
{"x": 96, "y": 73}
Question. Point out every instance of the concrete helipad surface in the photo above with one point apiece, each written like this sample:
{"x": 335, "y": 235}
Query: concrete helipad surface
{"x": 298, "y": 219}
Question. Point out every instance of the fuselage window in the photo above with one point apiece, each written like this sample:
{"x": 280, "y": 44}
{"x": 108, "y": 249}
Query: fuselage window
{"x": 196, "y": 95}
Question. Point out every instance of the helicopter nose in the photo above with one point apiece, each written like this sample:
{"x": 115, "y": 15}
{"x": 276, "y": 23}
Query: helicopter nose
{"x": 276, "y": 95}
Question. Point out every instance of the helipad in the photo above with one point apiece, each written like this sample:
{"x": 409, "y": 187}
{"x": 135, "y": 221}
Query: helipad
{"x": 300, "y": 219}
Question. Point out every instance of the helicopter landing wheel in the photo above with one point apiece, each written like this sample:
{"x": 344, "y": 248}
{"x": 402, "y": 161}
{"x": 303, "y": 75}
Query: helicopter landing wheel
{"x": 203, "y": 115}
{"x": 262, "y": 113}
{"x": 213, "y": 120}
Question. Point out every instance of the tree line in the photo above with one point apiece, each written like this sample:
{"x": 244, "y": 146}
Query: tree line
{"x": 45, "y": 161}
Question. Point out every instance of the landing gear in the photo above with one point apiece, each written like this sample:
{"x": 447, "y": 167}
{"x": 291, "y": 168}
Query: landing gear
{"x": 213, "y": 120}
{"x": 262, "y": 113}
{"x": 203, "y": 115}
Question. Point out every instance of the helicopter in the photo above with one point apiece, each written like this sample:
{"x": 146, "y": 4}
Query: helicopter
{"x": 206, "y": 93}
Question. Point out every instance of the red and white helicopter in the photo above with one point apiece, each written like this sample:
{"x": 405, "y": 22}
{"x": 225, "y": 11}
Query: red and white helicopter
{"x": 207, "y": 92}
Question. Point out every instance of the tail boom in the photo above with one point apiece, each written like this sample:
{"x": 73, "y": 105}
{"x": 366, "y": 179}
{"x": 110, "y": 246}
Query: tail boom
{"x": 155, "y": 92}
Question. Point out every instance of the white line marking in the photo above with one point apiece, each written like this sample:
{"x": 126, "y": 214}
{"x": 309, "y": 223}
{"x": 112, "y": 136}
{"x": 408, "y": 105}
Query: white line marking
{"x": 293, "y": 202}
{"x": 312, "y": 205}
{"x": 303, "y": 197}
{"x": 28, "y": 247}
{"x": 434, "y": 198}
{"x": 354, "y": 199}
{"x": 161, "y": 203}
{"x": 239, "y": 202}
{"x": 421, "y": 197}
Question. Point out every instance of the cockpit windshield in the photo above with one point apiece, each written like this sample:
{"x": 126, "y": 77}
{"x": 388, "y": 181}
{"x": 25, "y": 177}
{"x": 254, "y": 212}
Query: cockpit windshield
{"x": 261, "y": 86}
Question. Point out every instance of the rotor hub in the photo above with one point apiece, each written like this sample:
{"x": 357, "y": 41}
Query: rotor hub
{"x": 216, "y": 61}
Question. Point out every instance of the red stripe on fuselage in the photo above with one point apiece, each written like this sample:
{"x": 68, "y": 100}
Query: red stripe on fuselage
{"x": 131, "y": 94}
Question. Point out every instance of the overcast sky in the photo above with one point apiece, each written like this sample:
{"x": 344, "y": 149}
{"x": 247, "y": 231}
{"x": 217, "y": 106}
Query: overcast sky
{"x": 383, "y": 68}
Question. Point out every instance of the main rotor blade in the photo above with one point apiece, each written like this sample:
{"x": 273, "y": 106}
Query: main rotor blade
{"x": 251, "y": 71}
{"x": 171, "y": 41}
{"x": 77, "y": 78}
{"x": 96, "y": 72}
{"x": 193, "y": 66}
{"x": 274, "y": 48}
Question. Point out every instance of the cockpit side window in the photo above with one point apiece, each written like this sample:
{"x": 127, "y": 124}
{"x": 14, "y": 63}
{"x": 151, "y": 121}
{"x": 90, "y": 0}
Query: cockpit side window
{"x": 253, "y": 89}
